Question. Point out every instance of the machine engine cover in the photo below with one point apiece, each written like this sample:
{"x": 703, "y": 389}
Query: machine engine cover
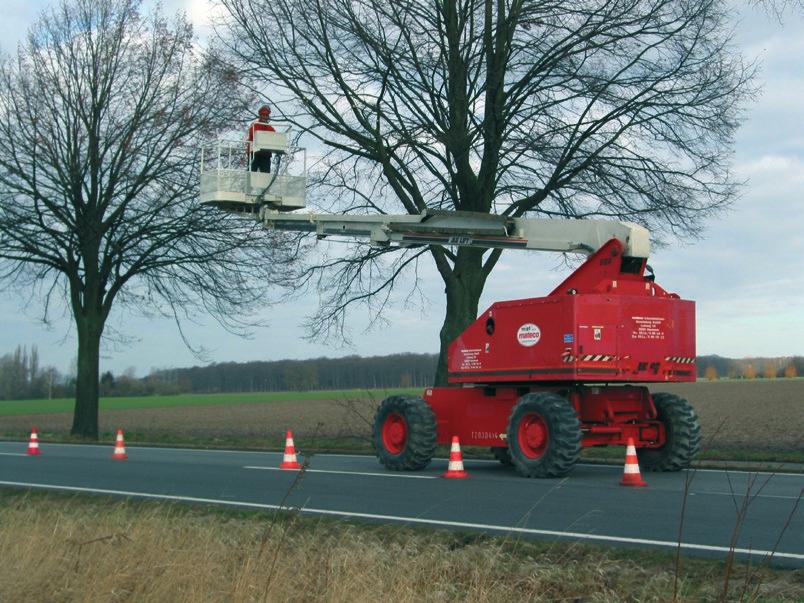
{"x": 607, "y": 322}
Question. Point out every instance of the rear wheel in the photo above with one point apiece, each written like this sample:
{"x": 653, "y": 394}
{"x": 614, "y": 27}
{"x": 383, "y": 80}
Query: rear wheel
{"x": 544, "y": 435}
{"x": 683, "y": 436}
{"x": 405, "y": 433}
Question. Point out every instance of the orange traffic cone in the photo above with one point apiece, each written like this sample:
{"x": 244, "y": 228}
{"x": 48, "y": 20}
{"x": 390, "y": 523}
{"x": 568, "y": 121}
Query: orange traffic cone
{"x": 289, "y": 459}
{"x": 455, "y": 468}
{"x": 631, "y": 475}
{"x": 33, "y": 443}
{"x": 119, "y": 447}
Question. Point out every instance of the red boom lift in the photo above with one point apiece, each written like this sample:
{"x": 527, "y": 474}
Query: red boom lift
{"x": 544, "y": 377}
{"x": 536, "y": 380}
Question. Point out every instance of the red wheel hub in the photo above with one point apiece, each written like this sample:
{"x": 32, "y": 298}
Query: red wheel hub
{"x": 533, "y": 436}
{"x": 394, "y": 433}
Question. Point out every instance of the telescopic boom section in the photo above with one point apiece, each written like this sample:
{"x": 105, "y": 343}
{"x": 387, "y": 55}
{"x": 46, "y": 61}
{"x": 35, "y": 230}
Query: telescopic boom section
{"x": 468, "y": 229}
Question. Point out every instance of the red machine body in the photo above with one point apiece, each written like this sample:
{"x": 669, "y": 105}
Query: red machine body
{"x": 605, "y": 326}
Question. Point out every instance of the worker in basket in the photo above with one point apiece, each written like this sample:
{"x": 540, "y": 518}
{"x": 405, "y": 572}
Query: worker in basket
{"x": 261, "y": 159}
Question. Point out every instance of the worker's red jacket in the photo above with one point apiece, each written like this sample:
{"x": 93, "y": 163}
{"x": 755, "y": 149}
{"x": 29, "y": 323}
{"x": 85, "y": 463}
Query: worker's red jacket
{"x": 258, "y": 126}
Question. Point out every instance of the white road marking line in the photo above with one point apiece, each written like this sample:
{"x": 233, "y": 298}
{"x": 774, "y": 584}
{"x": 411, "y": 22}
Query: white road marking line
{"x": 223, "y": 450}
{"x": 417, "y": 520}
{"x": 389, "y": 474}
{"x": 13, "y": 454}
{"x": 736, "y": 494}
{"x": 780, "y": 473}
{"x": 345, "y": 455}
{"x": 169, "y": 448}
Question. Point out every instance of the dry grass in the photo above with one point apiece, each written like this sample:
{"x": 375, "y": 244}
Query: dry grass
{"x": 59, "y": 548}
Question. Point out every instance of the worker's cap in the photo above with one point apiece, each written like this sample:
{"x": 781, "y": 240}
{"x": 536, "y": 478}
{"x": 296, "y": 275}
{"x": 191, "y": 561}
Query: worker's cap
{"x": 264, "y": 110}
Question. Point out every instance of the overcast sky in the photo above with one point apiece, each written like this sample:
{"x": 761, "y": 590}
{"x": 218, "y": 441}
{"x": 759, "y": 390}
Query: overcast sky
{"x": 746, "y": 275}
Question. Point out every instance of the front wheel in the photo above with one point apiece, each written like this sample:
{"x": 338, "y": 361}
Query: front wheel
{"x": 683, "y": 436}
{"x": 544, "y": 435}
{"x": 405, "y": 433}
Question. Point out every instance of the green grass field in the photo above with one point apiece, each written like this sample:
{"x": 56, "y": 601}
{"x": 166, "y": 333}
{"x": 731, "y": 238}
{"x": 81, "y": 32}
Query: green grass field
{"x": 10, "y": 408}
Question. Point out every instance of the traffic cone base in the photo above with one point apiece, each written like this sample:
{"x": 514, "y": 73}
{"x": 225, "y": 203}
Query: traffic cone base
{"x": 33, "y": 443}
{"x": 119, "y": 447}
{"x": 455, "y": 468}
{"x": 631, "y": 475}
{"x": 289, "y": 460}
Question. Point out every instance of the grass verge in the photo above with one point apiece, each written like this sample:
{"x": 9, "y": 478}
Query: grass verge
{"x": 59, "y": 547}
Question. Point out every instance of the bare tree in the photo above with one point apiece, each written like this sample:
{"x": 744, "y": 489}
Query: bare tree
{"x": 101, "y": 114}
{"x": 595, "y": 108}
{"x": 778, "y": 8}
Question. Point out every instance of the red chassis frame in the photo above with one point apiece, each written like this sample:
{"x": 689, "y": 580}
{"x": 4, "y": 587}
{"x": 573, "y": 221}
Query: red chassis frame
{"x": 609, "y": 415}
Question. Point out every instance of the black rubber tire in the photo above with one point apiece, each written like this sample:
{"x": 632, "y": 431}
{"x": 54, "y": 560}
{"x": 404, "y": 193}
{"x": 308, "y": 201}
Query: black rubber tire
{"x": 420, "y": 444}
{"x": 502, "y": 454}
{"x": 564, "y": 431}
{"x": 683, "y": 436}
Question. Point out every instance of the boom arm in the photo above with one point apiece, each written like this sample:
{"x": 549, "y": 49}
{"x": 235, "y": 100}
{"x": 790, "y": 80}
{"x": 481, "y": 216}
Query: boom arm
{"x": 469, "y": 229}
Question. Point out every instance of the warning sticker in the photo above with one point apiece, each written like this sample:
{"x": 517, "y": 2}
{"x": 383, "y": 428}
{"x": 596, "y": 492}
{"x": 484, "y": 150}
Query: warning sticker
{"x": 470, "y": 359}
{"x": 528, "y": 335}
{"x": 648, "y": 327}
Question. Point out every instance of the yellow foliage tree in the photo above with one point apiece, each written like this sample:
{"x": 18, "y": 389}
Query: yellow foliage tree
{"x": 790, "y": 371}
{"x": 711, "y": 373}
{"x": 750, "y": 372}
{"x": 769, "y": 371}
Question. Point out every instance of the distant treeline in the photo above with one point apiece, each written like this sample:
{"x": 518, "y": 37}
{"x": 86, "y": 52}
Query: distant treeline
{"x": 399, "y": 370}
{"x": 350, "y": 372}
{"x": 717, "y": 367}
{"x": 356, "y": 372}
{"x": 22, "y": 377}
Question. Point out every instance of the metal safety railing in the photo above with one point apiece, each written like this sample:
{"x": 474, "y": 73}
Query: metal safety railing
{"x": 227, "y": 178}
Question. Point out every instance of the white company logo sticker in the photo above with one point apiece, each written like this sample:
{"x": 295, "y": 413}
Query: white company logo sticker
{"x": 528, "y": 335}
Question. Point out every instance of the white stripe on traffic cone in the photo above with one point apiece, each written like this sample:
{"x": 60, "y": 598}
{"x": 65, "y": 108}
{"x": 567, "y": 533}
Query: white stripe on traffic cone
{"x": 631, "y": 475}
{"x": 119, "y": 447}
{"x": 289, "y": 458}
{"x": 455, "y": 468}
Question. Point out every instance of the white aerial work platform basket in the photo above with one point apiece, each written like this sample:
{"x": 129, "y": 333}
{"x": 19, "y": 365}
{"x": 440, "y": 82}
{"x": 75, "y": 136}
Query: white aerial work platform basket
{"x": 227, "y": 181}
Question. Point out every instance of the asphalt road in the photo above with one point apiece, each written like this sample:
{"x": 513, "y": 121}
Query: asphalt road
{"x": 587, "y": 506}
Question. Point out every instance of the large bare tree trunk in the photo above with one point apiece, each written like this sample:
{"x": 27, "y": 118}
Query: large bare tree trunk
{"x": 463, "y": 286}
{"x": 85, "y": 417}
{"x": 89, "y": 322}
